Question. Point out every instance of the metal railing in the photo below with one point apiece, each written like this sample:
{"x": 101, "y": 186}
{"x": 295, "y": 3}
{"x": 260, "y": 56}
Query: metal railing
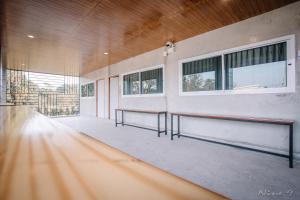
{"x": 52, "y": 95}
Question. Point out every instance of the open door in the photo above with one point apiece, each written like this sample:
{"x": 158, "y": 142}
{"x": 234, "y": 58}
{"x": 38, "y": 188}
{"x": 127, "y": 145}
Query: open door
{"x": 113, "y": 95}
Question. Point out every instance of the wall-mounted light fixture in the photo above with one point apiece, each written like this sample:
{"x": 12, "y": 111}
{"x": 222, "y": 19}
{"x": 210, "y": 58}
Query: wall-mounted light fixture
{"x": 169, "y": 48}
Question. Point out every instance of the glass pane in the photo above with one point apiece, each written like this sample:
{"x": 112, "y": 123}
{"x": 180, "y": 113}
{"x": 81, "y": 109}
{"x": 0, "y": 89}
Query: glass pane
{"x": 84, "y": 90}
{"x": 149, "y": 86}
{"x": 261, "y": 67}
{"x": 199, "y": 82}
{"x": 152, "y": 81}
{"x": 269, "y": 75}
{"x": 131, "y": 84}
{"x": 91, "y": 89}
{"x": 202, "y": 75}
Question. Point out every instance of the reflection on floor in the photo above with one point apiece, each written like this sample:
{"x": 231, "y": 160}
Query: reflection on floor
{"x": 238, "y": 174}
{"x": 43, "y": 159}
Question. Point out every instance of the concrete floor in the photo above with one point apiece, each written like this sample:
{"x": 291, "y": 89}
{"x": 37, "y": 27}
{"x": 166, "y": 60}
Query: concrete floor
{"x": 235, "y": 173}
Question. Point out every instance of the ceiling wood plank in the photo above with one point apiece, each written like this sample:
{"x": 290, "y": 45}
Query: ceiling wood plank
{"x": 78, "y": 32}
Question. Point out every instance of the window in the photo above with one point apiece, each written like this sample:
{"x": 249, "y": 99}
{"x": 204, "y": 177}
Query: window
{"x": 131, "y": 84}
{"x": 202, "y": 75}
{"x": 152, "y": 81}
{"x": 88, "y": 90}
{"x": 84, "y": 91}
{"x": 91, "y": 89}
{"x": 146, "y": 82}
{"x": 264, "y": 67}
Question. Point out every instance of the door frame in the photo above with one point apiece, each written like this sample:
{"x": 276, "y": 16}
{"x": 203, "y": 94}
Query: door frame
{"x": 109, "y": 79}
{"x": 101, "y": 79}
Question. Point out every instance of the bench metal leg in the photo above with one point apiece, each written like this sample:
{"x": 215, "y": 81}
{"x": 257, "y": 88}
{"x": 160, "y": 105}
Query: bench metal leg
{"x": 291, "y": 138}
{"x": 166, "y": 125}
{"x": 171, "y": 126}
{"x": 291, "y": 146}
{"x": 178, "y": 126}
{"x": 122, "y": 118}
{"x": 116, "y": 117}
{"x": 158, "y": 125}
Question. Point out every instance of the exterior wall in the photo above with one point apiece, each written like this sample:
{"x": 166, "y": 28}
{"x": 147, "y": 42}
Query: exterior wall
{"x": 277, "y": 23}
{"x": 88, "y": 104}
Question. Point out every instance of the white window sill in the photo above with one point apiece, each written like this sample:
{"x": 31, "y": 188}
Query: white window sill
{"x": 143, "y": 95}
{"x": 235, "y": 92}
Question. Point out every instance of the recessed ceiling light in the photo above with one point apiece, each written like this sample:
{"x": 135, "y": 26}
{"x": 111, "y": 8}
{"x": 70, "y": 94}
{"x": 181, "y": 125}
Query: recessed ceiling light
{"x": 30, "y": 36}
{"x": 106, "y": 53}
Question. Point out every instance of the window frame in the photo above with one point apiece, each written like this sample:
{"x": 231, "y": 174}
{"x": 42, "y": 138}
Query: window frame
{"x": 140, "y": 88}
{"x": 87, "y": 83}
{"x": 291, "y": 53}
{"x": 201, "y": 57}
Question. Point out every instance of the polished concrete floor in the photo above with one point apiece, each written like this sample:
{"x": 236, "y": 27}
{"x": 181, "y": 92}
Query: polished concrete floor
{"x": 235, "y": 173}
{"x": 42, "y": 159}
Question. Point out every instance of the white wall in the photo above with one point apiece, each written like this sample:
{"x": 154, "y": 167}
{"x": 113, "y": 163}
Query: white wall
{"x": 88, "y": 104}
{"x": 280, "y": 22}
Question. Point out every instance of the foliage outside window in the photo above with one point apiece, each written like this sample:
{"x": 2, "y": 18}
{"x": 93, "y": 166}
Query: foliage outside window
{"x": 144, "y": 82}
{"x": 49, "y": 94}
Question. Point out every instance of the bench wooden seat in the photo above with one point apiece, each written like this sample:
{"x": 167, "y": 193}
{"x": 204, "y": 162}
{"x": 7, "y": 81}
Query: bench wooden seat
{"x": 237, "y": 118}
{"x": 286, "y": 122}
{"x": 141, "y": 111}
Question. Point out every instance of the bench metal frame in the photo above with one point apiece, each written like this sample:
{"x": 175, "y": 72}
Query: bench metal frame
{"x": 158, "y": 113}
{"x": 289, "y": 123}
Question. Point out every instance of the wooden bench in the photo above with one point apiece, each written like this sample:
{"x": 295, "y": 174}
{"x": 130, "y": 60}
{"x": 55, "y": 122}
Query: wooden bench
{"x": 158, "y": 113}
{"x": 286, "y": 122}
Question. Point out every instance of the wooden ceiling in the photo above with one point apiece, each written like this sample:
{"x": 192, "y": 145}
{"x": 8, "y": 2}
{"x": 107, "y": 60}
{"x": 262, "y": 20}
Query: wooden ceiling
{"x": 71, "y": 36}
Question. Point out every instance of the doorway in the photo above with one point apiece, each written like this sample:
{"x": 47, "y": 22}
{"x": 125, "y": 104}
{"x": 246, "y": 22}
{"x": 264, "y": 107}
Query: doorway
{"x": 113, "y": 95}
{"x": 101, "y": 98}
